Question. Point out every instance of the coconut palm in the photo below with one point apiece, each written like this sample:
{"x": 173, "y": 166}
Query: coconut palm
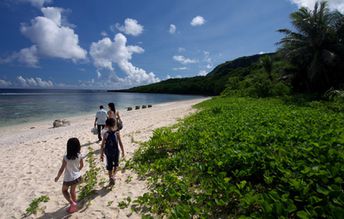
{"x": 312, "y": 47}
{"x": 266, "y": 62}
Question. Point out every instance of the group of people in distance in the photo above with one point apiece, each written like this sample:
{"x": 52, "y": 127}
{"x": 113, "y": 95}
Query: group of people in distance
{"x": 109, "y": 136}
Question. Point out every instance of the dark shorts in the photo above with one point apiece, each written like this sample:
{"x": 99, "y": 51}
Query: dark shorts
{"x": 112, "y": 161}
{"x": 74, "y": 182}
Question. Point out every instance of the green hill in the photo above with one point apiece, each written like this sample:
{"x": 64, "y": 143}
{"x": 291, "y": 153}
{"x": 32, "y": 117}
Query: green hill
{"x": 211, "y": 84}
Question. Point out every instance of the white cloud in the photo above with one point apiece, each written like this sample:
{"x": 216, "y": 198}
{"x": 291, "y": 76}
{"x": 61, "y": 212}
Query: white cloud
{"x": 207, "y": 57}
{"x": 103, "y": 34}
{"x": 180, "y": 69}
{"x": 333, "y": 4}
{"x": 51, "y": 38}
{"x": 171, "y": 77}
{"x": 261, "y": 52}
{"x": 4, "y": 83}
{"x": 207, "y": 60}
{"x": 22, "y": 81}
{"x": 34, "y": 82}
{"x": 106, "y": 52}
{"x": 130, "y": 27}
{"x": 26, "y": 56}
{"x": 37, "y": 3}
{"x": 197, "y": 21}
{"x": 53, "y": 13}
{"x": 99, "y": 74}
{"x": 183, "y": 60}
{"x": 181, "y": 49}
{"x": 202, "y": 73}
{"x": 172, "y": 29}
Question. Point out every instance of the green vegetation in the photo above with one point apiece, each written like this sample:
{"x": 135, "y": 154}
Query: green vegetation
{"x": 125, "y": 203}
{"x": 261, "y": 79}
{"x": 243, "y": 157}
{"x": 34, "y": 205}
{"x": 315, "y": 48}
{"x": 129, "y": 178}
{"x": 212, "y": 84}
{"x": 90, "y": 177}
{"x": 240, "y": 157}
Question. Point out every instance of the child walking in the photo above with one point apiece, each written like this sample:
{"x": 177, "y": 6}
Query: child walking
{"x": 109, "y": 146}
{"x": 72, "y": 163}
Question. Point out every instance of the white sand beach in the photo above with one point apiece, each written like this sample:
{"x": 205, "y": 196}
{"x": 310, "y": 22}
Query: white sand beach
{"x": 31, "y": 154}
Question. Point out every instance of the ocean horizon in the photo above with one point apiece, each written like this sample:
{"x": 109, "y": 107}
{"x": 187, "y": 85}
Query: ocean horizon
{"x": 18, "y": 106}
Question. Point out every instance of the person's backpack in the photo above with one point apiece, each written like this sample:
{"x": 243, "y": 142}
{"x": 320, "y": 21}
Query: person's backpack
{"x": 111, "y": 146}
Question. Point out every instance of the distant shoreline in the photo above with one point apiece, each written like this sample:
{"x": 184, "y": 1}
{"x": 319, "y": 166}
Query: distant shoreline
{"x": 79, "y": 115}
{"x": 138, "y": 92}
{"x": 30, "y": 105}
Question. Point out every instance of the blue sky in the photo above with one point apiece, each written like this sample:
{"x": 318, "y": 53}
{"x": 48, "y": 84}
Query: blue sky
{"x": 118, "y": 44}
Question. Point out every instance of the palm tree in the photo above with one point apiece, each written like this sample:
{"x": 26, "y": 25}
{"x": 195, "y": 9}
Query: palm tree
{"x": 266, "y": 62}
{"x": 312, "y": 46}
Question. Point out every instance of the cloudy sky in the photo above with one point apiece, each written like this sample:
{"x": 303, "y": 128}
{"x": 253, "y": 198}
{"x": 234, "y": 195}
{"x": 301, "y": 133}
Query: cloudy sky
{"x": 118, "y": 44}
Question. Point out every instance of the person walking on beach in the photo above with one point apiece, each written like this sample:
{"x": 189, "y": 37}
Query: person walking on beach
{"x": 109, "y": 146}
{"x": 112, "y": 113}
{"x": 101, "y": 117}
{"x": 72, "y": 163}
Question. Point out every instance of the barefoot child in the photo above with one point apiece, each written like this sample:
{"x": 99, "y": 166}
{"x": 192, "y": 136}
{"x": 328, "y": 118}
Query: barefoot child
{"x": 109, "y": 146}
{"x": 72, "y": 163}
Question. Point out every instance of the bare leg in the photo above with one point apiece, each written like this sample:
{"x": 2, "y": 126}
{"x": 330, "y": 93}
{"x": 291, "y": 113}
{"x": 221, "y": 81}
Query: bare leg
{"x": 73, "y": 192}
{"x": 66, "y": 194}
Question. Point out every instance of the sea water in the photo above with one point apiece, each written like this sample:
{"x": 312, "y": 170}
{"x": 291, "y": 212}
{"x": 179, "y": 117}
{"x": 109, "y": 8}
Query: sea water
{"x": 19, "y": 106}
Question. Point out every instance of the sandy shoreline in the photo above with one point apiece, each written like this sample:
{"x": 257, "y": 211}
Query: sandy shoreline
{"x": 30, "y": 158}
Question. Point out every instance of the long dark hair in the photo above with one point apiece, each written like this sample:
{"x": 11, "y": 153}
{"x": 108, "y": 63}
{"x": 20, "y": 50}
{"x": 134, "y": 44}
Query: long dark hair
{"x": 73, "y": 148}
{"x": 112, "y": 107}
{"x": 110, "y": 122}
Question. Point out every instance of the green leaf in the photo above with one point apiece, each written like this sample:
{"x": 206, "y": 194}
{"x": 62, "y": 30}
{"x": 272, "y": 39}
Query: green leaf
{"x": 322, "y": 190}
{"x": 302, "y": 215}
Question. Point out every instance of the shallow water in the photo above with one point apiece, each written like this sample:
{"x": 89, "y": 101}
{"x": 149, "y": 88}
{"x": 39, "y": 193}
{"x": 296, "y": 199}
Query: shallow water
{"x": 19, "y": 106}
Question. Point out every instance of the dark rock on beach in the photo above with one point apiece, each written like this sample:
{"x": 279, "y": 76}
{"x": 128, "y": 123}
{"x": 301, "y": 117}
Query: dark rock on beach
{"x": 60, "y": 123}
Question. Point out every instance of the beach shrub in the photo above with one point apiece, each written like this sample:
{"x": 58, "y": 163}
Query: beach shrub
{"x": 280, "y": 89}
{"x": 90, "y": 177}
{"x": 242, "y": 157}
{"x": 34, "y": 205}
{"x": 125, "y": 203}
{"x": 258, "y": 85}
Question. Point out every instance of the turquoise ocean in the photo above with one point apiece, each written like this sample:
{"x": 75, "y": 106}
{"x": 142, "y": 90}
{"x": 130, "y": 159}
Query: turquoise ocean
{"x": 18, "y": 106}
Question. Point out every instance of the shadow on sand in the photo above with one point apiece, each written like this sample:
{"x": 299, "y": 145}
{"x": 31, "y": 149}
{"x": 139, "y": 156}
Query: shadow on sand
{"x": 83, "y": 205}
{"x": 88, "y": 144}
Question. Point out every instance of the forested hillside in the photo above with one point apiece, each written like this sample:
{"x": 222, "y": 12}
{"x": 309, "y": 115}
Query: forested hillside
{"x": 211, "y": 84}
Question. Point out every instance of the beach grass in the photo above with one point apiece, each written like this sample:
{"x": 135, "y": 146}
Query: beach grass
{"x": 243, "y": 157}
